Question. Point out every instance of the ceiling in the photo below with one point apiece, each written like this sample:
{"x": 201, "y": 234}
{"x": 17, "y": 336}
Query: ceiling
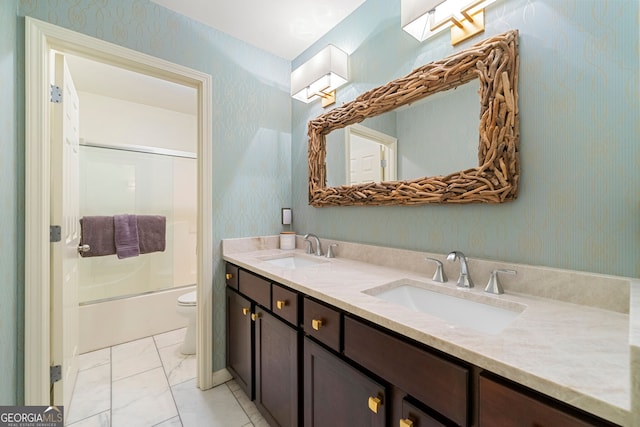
{"x": 283, "y": 27}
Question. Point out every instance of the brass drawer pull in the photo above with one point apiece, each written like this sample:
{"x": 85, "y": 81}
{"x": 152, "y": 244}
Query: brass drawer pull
{"x": 406, "y": 422}
{"x": 374, "y": 404}
{"x": 316, "y": 324}
{"x": 245, "y": 311}
{"x": 229, "y": 276}
{"x": 255, "y": 316}
{"x": 281, "y": 304}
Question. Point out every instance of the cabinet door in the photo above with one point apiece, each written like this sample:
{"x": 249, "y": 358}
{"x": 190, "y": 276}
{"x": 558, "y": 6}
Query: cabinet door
{"x": 336, "y": 394}
{"x": 276, "y": 370}
{"x": 239, "y": 341}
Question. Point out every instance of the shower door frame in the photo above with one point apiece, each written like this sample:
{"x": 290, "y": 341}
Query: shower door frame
{"x": 40, "y": 38}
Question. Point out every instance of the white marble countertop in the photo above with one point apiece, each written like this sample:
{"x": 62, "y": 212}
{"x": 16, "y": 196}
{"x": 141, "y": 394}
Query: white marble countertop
{"x": 576, "y": 353}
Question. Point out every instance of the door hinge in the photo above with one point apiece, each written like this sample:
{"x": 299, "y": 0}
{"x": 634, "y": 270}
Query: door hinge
{"x": 55, "y": 233}
{"x": 55, "y": 373}
{"x": 56, "y": 94}
{"x": 383, "y": 163}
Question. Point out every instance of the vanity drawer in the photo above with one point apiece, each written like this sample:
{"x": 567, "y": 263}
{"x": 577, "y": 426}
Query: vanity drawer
{"x": 231, "y": 276}
{"x": 434, "y": 381}
{"x": 256, "y": 288}
{"x": 413, "y": 416}
{"x": 322, "y": 323}
{"x": 502, "y": 405}
{"x": 284, "y": 303}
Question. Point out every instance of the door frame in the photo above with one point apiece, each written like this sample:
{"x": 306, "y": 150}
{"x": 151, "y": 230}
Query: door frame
{"x": 40, "y": 38}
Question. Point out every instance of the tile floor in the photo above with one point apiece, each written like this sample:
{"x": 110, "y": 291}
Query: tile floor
{"x": 148, "y": 382}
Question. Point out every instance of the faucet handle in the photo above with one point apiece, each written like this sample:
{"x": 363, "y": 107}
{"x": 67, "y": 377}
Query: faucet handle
{"x": 439, "y": 275}
{"x": 309, "y": 249}
{"x": 493, "y": 286}
{"x": 330, "y": 253}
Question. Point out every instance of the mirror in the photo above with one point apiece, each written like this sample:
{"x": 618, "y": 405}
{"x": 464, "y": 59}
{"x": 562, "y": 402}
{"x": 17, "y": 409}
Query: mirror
{"x": 430, "y": 137}
{"x": 491, "y": 69}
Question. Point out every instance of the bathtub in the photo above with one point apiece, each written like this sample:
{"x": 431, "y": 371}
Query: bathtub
{"x": 107, "y": 323}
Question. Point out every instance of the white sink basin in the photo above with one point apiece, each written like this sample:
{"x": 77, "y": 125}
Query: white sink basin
{"x": 292, "y": 261}
{"x": 483, "y": 316}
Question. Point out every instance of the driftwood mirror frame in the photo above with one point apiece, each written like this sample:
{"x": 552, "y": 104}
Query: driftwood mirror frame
{"x": 494, "y": 62}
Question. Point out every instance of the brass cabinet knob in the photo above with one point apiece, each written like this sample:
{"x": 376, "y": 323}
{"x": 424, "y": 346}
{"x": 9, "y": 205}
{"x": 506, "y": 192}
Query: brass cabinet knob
{"x": 280, "y": 304}
{"x": 374, "y": 404}
{"x": 229, "y": 276}
{"x": 316, "y": 324}
{"x": 254, "y": 316}
{"x": 245, "y": 310}
{"x": 406, "y": 422}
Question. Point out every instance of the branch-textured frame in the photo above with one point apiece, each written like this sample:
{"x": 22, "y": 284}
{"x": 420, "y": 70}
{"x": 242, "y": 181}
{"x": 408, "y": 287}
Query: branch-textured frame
{"x": 495, "y": 63}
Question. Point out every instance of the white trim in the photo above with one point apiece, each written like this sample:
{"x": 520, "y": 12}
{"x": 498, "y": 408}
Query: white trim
{"x": 40, "y": 37}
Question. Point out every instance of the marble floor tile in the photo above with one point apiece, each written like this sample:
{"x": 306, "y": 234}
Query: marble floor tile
{"x": 94, "y": 358}
{"x": 177, "y": 366}
{"x": 247, "y": 405}
{"x": 217, "y": 406}
{"x": 103, "y": 419}
{"x": 173, "y": 422}
{"x": 170, "y": 338}
{"x": 148, "y": 382}
{"x": 92, "y": 393}
{"x": 142, "y": 400}
{"x": 134, "y": 357}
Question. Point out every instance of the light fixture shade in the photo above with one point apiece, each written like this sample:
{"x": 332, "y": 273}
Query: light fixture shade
{"x": 415, "y": 18}
{"x": 324, "y": 73}
{"x": 425, "y": 18}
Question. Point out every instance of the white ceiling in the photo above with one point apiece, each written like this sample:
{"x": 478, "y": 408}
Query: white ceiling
{"x": 283, "y": 27}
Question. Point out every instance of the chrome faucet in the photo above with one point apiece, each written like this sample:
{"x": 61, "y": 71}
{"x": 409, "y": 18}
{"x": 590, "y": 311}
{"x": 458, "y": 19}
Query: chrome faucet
{"x": 464, "y": 281}
{"x": 318, "y": 246}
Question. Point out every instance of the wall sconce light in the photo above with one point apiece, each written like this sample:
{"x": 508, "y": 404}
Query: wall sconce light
{"x": 425, "y": 18}
{"x": 320, "y": 76}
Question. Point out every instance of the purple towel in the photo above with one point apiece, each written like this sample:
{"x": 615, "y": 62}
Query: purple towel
{"x": 126, "y": 236}
{"x": 152, "y": 233}
{"x": 97, "y": 232}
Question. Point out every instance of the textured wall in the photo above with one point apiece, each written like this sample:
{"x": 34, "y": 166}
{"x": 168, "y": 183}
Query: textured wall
{"x": 11, "y": 225}
{"x": 579, "y": 205}
{"x": 251, "y": 111}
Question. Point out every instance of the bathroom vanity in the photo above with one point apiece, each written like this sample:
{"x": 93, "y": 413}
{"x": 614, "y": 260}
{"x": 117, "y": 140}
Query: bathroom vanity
{"x": 313, "y": 342}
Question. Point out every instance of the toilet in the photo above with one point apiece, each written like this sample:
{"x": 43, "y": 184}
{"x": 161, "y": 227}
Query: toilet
{"x": 186, "y": 307}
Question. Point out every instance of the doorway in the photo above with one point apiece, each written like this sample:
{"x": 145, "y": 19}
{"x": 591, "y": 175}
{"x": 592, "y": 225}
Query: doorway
{"x": 41, "y": 39}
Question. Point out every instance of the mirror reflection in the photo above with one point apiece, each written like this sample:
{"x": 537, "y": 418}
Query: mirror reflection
{"x": 431, "y": 137}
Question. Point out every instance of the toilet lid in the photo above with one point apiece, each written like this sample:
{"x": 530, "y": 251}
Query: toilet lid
{"x": 187, "y": 299}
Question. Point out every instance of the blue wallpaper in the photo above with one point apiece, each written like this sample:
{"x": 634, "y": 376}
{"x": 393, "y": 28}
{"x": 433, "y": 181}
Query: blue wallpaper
{"x": 579, "y": 205}
{"x": 11, "y": 157}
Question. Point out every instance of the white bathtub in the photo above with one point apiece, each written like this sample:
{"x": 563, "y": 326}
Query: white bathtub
{"x": 104, "y": 324}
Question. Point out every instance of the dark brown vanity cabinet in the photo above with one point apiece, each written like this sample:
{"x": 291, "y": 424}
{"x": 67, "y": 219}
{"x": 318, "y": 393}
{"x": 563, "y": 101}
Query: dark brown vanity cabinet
{"x": 336, "y": 394}
{"x": 307, "y": 363}
{"x": 263, "y": 350}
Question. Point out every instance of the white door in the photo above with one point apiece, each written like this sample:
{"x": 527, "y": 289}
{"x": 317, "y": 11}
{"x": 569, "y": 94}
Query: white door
{"x": 365, "y": 160}
{"x": 65, "y": 213}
